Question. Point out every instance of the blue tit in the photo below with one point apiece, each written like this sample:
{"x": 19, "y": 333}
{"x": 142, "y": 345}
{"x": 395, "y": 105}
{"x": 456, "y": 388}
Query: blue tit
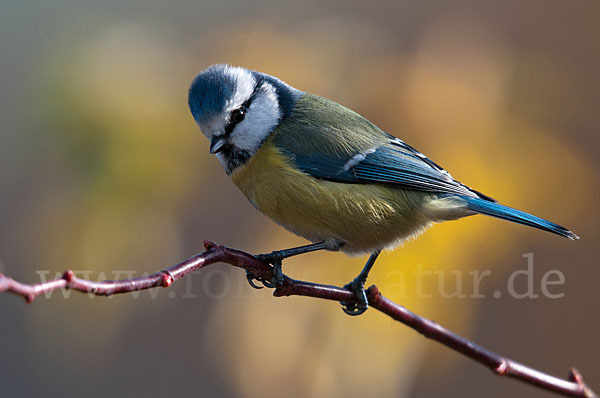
{"x": 326, "y": 173}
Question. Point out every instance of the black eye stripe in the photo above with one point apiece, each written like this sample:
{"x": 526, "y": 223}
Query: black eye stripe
{"x": 237, "y": 115}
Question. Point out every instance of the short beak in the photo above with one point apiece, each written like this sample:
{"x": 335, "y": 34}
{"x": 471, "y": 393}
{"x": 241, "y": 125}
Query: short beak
{"x": 217, "y": 144}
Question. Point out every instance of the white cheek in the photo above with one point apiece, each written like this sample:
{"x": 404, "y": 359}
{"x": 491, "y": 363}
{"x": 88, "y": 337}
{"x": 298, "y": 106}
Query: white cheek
{"x": 262, "y": 117}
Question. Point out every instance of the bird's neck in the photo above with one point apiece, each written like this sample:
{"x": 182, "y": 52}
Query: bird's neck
{"x": 231, "y": 158}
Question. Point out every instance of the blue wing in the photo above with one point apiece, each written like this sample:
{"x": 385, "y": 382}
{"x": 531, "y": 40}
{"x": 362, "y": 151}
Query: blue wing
{"x": 331, "y": 142}
{"x": 394, "y": 163}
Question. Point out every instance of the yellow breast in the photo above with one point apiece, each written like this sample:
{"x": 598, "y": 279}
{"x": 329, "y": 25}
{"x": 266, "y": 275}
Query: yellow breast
{"x": 365, "y": 217}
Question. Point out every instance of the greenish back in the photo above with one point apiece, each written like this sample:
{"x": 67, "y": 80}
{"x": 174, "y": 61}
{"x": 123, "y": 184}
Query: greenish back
{"x": 321, "y": 126}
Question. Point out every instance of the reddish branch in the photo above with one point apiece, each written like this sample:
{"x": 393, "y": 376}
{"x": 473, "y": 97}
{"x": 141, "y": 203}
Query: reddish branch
{"x": 573, "y": 386}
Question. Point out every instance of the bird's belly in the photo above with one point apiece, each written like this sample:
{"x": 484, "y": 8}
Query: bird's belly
{"x": 364, "y": 217}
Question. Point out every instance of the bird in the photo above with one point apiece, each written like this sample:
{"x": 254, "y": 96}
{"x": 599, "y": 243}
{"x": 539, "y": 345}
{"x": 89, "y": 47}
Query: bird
{"x": 326, "y": 173}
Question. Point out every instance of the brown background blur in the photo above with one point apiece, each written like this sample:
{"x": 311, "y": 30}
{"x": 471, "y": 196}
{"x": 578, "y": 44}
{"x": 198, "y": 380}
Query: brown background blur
{"x": 102, "y": 169}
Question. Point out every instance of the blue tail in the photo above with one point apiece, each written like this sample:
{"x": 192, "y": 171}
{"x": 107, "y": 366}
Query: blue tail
{"x": 507, "y": 213}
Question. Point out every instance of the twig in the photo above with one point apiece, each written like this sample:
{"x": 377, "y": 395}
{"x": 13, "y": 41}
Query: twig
{"x": 574, "y": 386}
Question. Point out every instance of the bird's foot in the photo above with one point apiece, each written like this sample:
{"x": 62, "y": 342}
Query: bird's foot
{"x": 276, "y": 281}
{"x": 357, "y": 286}
{"x": 251, "y": 278}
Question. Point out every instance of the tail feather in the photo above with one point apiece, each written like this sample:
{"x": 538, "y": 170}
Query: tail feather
{"x": 507, "y": 213}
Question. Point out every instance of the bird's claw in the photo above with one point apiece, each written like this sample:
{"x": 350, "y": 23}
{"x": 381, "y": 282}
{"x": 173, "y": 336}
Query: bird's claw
{"x": 276, "y": 281}
{"x": 362, "y": 303}
{"x": 251, "y": 278}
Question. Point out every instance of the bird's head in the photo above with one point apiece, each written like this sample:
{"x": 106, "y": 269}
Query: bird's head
{"x": 237, "y": 109}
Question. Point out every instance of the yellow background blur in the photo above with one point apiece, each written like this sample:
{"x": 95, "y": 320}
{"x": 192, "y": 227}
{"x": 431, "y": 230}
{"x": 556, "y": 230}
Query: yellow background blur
{"x": 102, "y": 169}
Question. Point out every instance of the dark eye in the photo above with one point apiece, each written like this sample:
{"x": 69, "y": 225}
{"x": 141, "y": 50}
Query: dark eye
{"x": 237, "y": 115}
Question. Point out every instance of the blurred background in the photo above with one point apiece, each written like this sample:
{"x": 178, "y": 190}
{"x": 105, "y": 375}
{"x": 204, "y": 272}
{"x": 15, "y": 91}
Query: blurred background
{"x": 103, "y": 170}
